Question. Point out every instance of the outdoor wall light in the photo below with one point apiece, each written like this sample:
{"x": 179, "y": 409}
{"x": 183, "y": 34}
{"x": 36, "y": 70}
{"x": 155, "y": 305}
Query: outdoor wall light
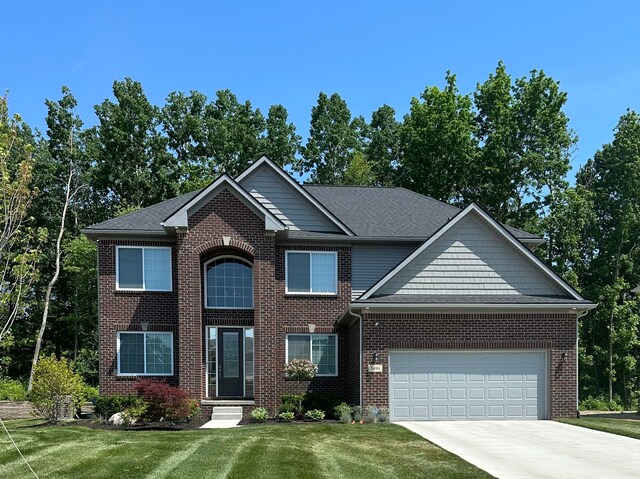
{"x": 375, "y": 357}
{"x": 376, "y": 325}
{"x": 564, "y": 357}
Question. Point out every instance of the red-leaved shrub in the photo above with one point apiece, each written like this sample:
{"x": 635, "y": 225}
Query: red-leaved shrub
{"x": 164, "y": 401}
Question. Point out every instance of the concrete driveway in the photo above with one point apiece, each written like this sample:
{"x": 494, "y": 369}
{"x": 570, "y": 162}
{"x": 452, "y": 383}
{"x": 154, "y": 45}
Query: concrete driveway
{"x": 535, "y": 449}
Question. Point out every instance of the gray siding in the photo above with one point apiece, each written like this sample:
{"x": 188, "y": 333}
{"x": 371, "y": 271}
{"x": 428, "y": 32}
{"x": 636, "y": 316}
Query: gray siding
{"x": 471, "y": 259}
{"x": 284, "y": 202}
{"x": 370, "y": 262}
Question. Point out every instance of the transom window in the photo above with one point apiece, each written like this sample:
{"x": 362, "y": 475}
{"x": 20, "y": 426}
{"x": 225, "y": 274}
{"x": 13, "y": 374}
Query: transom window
{"x": 145, "y": 354}
{"x": 229, "y": 283}
{"x": 143, "y": 268}
{"x": 320, "y": 349}
{"x": 312, "y": 272}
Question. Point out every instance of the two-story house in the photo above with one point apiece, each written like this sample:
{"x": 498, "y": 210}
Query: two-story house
{"x": 401, "y": 301}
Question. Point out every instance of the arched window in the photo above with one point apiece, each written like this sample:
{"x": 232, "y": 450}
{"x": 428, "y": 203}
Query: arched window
{"x": 228, "y": 283}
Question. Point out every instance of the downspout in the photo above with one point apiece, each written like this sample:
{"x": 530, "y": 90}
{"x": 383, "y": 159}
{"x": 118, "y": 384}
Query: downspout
{"x": 351, "y": 312}
{"x": 580, "y": 315}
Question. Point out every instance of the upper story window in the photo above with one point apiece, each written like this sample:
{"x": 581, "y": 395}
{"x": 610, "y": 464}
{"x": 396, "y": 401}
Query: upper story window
{"x": 228, "y": 283}
{"x": 143, "y": 268}
{"x": 311, "y": 272}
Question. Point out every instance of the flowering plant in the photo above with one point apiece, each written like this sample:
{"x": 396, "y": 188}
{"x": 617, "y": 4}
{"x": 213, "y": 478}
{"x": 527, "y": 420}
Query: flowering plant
{"x": 300, "y": 370}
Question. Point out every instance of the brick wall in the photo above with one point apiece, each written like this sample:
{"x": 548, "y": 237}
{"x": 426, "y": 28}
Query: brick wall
{"x": 126, "y": 310}
{"x": 552, "y": 332}
{"x": 353, "y": 363}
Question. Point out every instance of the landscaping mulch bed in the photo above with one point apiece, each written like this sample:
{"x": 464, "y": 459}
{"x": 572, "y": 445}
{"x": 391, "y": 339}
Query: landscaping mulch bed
{"x": 247, "y": 421}
{"x": 94, "y": 423}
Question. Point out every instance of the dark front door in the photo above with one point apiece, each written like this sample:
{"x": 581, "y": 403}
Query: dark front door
{"x": 230, "y": 363}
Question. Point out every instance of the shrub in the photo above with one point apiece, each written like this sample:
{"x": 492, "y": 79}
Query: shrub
{"x": 164, "y": 401}
{"x": 325, "y": 403}
{"x": 314, "y": 415}
{"x": 134, "y": 412}
{"x": 107, "y": 406}
{"x": 357, "y": 413}
{"x": 194, "y": 409}
{"x": 300, "y": 370}
{"x": 383, "y": 414}
{"x": 599, "y": 404}
{"x": 260, "y": 414}
{"x": 286, "y": 416}
{"x": 54, "y": 379}
{"x": 293, "y": 403}
{"x": 12, "y": 390}
{"x": 372, "y": 415}
{"x": 90, "y": 393}
{"x": 342, "y": 412}
{"x": 345, "y": 417}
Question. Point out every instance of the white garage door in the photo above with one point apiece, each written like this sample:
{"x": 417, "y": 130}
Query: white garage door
{"x": 467, "y": 385}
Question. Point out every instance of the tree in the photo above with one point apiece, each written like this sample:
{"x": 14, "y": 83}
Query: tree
{"x": 182, "y": 120}
{"x": 232, "y": 135}
{"x": 61, "y": 122}
{"x": 359, "y": 171}
{"x": 332, "y": 141}
{"x": 132, "y": 165}
{"x": 281, "y": 142}
{"x": 613, "y": 178}
{"x": 526, "y": 145}
{"x": 437, "y": 141}
{"x": 383, "y": 150}
{"x": 19, "y": 241}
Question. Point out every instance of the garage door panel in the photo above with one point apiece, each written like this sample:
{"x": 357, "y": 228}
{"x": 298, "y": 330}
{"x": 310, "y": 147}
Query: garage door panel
{"x": 467, "y": 385}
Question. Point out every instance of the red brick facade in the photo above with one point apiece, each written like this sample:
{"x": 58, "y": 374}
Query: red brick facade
{"x": 224, "y": 226}
{"x": 555, "y": 333}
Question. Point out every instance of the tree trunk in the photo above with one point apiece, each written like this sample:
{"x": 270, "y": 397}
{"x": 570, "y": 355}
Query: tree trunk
{"x": 54, "y": 279}
{"x": 614, "y": 300}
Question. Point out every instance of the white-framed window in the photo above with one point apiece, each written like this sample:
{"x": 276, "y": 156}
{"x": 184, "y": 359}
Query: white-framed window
{"x": 142, "y": 353}
{"x": 143, "y": 268}
{"x": 311, "y": 272}
{"x": 320, "y": 349}
{"x": 228, "y": 283}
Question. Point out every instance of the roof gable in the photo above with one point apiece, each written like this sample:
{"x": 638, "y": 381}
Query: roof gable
{"x": 472, "y": 255}
{"x": 180, "y": 217}
{"x": 287, "y": 200}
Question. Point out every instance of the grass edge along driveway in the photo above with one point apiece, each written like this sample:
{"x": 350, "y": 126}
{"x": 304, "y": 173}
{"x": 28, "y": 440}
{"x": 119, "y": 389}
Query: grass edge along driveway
{"x": 621, "y": 427}
{"x": 271, "y": 451}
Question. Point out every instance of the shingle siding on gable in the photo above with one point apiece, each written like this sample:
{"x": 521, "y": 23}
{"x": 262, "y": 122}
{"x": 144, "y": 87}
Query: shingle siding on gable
{"x": 288, "y": 206}
{"x": 370, "y": 262}
{"x": 471, "y": 259}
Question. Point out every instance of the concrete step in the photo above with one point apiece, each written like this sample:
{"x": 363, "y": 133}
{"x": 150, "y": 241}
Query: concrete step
{"x": 225, "y": 413}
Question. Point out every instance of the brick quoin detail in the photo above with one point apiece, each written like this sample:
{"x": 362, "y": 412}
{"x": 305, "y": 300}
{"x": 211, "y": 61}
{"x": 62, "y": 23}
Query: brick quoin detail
{"x": 554, "y": 333}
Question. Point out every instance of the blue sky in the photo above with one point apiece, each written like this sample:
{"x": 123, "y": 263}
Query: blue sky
{"x": 287, "y": 52}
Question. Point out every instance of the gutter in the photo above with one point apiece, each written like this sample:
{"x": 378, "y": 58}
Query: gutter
{"x": 500, "y": 306}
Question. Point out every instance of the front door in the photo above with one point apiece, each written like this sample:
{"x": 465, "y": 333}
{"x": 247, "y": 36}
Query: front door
{"x": 230, "y": 363}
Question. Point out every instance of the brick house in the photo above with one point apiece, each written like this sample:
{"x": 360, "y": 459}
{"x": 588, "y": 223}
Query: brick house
{"x": 402, "y": 301}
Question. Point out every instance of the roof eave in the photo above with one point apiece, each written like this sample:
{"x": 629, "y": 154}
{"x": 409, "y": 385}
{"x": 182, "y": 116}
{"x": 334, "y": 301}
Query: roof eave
{"x": 548, "y": 307}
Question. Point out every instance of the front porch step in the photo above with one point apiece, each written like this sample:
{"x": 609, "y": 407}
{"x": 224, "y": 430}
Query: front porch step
{"x": 225, "y": 413}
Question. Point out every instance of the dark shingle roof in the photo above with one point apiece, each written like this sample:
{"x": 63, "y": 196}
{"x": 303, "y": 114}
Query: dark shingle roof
{"x": 372, "y": 211}
{"x": 146, "y": 219}
{"x": 367, "y": 211}
{"x": 470, "y": 299}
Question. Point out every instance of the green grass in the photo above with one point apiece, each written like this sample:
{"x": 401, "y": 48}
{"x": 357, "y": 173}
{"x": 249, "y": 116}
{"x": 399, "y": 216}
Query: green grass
{"x": 622, "y": 427}
{"x": 272, "y": 451}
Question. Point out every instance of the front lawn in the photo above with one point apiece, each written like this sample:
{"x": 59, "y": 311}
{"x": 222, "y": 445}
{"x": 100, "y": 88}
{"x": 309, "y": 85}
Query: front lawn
{"x": 271, "y": 451}
{"x": 623, "y": 427}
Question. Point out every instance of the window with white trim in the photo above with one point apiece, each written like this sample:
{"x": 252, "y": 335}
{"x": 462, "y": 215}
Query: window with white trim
{"x": 320, "y": 349}
{"x": 143, "y": 268}
{"x": 145, "y": 353}
{"x": 311, "y": 272}
{"x": 228, "y": 283}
